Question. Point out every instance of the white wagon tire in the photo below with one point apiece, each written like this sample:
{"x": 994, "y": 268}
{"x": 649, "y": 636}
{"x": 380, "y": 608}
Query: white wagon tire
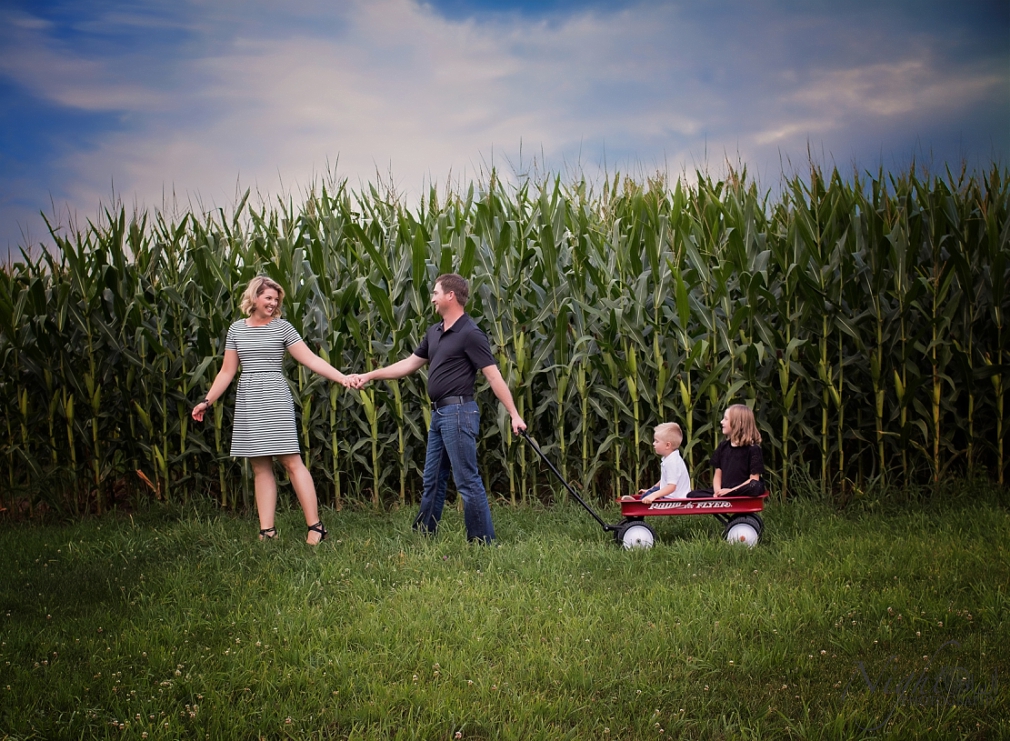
{"x": 742, "y": 530}
{"x": 636, "y": 535}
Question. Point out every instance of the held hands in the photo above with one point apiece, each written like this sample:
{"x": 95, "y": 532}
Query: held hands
{"x": 353, "y": 381}
{"x": 356, "y": 381}
{"x": 517, "y": 424}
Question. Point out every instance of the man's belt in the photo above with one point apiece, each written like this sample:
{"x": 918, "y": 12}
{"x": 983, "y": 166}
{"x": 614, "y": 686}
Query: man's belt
{"x": 447, "y": 400}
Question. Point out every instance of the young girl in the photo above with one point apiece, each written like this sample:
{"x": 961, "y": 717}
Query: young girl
{"x": 737, "y": 462}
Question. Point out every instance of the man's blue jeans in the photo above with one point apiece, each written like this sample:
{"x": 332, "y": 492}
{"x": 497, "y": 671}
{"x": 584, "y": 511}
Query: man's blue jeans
{"x": 452, "y": 444}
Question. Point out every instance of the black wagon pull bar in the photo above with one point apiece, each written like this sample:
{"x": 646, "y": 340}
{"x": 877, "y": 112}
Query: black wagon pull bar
{"x": 606, "y": 528}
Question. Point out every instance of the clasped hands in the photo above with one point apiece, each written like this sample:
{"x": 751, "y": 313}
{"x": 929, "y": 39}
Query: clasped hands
{"x": 356, "y": 381}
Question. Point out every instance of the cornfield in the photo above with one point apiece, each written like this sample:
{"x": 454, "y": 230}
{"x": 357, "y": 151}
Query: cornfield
{"x": 865, "y": 320}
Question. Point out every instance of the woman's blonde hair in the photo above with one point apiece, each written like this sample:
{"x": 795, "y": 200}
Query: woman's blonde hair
{"x": 743, "y": 428}
{"x": 256, "y": 286}
{"x": 669, "y": 432}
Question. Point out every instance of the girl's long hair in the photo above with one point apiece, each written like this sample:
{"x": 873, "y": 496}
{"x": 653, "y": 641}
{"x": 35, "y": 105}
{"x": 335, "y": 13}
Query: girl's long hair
{"x": 743, "y": 428}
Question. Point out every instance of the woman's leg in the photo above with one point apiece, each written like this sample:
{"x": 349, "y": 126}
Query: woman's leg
{"x": 305, "y": 490}
{"x": 265, "y": 486}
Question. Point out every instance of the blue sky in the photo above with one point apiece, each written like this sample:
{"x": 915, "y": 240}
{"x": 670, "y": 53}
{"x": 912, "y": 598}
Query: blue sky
{"x": 180, "y": 104}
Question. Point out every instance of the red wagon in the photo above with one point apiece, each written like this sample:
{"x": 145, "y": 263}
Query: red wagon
{"x": 739, "y": 515}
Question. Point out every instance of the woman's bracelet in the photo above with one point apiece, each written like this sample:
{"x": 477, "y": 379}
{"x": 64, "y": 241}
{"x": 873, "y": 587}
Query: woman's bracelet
{"x": 207, "y": 401}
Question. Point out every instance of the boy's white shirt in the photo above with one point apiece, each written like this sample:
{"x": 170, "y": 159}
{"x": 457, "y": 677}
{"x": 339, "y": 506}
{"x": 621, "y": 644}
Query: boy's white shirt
{"x": 673, "y": 470}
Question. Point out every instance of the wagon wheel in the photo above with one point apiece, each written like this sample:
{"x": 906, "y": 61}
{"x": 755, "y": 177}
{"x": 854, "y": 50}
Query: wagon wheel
{"x": 744, "y": 529}
{"x": 635, "y": 535}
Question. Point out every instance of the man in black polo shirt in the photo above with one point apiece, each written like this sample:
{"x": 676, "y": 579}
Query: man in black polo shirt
{"x": 455, "y": 348}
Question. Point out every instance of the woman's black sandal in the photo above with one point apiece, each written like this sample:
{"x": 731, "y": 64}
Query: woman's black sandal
{"x": 268, "y": 533}
{"x": 321, "y": 529}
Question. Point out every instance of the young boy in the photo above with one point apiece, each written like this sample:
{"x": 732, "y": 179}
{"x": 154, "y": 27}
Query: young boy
{"x": 673, "y": 478}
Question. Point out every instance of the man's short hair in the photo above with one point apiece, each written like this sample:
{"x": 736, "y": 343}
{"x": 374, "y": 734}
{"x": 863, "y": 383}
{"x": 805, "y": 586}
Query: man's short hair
{"x": 456, "y": 284}
{"x": 669, "y": 432}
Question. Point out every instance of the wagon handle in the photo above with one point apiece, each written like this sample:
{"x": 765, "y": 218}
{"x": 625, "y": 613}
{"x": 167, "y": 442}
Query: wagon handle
{"x": 590, "y": 510}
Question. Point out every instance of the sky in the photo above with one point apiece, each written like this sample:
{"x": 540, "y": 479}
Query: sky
{"x": 179, "y": 105}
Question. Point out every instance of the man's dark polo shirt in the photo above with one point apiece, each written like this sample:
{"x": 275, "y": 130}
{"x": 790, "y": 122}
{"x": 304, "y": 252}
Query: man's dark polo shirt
{"x": 454, "y": 356}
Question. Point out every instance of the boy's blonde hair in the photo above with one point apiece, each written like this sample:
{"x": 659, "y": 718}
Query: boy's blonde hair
{"x": 256, "y": 286}
{"x": 743, "y": 428}
{"x": 669, "y": 432}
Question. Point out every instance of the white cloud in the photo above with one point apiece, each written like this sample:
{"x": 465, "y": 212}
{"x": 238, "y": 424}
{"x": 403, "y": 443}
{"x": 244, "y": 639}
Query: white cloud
{"x": 398, "y": 88}
{"x": 392, "y": 86}
{"x": 909, "y": 86}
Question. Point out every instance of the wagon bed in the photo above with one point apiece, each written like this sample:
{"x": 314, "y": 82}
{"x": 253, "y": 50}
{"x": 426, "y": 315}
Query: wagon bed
{"x": 737, "y": 514}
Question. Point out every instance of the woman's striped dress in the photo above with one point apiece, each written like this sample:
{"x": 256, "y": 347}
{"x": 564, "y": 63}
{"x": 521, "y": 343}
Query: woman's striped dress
{"x": 264, "y": 410}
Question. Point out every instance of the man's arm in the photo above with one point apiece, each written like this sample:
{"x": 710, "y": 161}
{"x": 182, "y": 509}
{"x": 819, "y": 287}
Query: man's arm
{"x": 398, "y": 369}
{"x": 501, "y": 390}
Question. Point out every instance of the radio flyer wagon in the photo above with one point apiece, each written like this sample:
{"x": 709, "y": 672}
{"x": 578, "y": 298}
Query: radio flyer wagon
{"x": 739, "y": 515}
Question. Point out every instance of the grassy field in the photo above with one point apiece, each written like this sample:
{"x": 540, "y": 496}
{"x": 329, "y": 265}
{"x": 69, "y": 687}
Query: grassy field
{"x": 165, "y": 624}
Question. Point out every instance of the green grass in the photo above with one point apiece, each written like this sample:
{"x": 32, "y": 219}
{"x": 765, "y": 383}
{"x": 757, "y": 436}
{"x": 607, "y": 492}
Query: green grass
{"x": 187, "y": 627}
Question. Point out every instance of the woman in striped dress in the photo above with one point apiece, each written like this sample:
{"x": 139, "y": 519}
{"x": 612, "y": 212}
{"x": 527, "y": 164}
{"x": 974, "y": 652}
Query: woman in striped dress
{"x": 264, "y": 426}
